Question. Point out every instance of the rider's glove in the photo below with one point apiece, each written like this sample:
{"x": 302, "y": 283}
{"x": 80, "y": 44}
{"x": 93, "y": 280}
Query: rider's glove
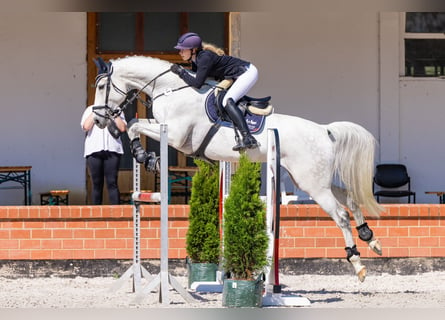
{"x": 176, "y": 68}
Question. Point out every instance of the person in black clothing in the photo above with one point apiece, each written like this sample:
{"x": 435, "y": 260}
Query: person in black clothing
{"x": 210, "y": 61}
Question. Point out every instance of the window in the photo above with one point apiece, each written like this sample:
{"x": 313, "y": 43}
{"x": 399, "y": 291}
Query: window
{"x": 424, "y": 44}
{"x": 156, "y": 32}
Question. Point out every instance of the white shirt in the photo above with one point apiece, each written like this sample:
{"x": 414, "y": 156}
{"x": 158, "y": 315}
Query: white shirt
{"x": 100, "y": 139}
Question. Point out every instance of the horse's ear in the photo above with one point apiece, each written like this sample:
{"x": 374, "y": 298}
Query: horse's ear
{"x": 102, "y": 66}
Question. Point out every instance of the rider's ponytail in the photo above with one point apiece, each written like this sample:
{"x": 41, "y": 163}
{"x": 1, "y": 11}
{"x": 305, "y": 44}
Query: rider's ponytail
{"x": 213, "y": 48}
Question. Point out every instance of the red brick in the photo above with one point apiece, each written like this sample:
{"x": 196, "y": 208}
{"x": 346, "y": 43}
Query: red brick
{"x": 20, "y": 234}
{"x": 40, "y": 255}
{"x": 115, "y": 244}
{"x": 72, "y": 244}
{"x": 94, "y": 243}
{"x": 406, "y": 242}
{"x": 314, "y": 232}
{"x": 105, "y": 254}
{"x": 419, "y": 252}
{"x": 324, "y": 243}
{"x": 19, "y": 254}
{"x": 438, "y": 252}
{"x": 437, "y": 232}
{"x": 422, "y": 234}
{"x": 4, "y": 234}
{"x": 316, "y": 253}
{"x": 104, "y": 233}
{"x": 63, "y": 233}
{"x": 398, "y": 232}
{"x": 62, "y": 254}
{"x": 83, "y": 254}
{"x": 83, "y": 233}
{"x": 51, "y": 244}
{"x": 9, "y": 244}
{"x": 30, "y": 244}
{"x": 419, "y": 231}
{"x": 428, "y": 242}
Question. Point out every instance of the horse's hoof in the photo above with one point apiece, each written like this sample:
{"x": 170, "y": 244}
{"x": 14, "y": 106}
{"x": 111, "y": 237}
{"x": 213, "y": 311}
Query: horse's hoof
{"x": 362, "y": 274}
{"x": 375, "y": 246}
{"x": 152, "y": 163}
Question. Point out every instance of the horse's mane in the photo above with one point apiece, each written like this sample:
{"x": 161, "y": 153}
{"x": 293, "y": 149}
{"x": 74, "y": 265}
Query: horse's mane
{"x": 138, "y": 65}
{"x": 137, "y": 62}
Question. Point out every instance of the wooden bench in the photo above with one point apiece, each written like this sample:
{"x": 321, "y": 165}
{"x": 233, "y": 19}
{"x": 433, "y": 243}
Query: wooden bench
{"x": 440, "y": 194}
{"x": 55, "y": 197}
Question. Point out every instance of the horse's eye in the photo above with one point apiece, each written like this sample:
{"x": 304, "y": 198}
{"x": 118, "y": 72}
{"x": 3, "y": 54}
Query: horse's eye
{"x": 101, "y": 86}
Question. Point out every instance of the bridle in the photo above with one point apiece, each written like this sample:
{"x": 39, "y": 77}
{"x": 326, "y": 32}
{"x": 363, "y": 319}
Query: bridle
{"x": 109, "y": 112}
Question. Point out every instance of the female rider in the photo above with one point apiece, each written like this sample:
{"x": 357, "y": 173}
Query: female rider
{"x": 210, "y": 61}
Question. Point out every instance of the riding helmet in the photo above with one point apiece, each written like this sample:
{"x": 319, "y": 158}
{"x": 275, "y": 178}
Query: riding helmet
{"x": 189, "y": 40}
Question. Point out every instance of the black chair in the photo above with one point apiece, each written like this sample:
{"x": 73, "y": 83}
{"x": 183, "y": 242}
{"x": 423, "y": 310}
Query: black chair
{"x": 391, "y": 178}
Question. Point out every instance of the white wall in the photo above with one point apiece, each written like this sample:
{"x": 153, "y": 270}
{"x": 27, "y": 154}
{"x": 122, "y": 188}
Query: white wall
{"x": 422, "y": 116}
{"x": 327, "y": 66}
{"x": 321, "y": 66}
{"x": 317, "y": 65}
{"x": 43, "y": 94}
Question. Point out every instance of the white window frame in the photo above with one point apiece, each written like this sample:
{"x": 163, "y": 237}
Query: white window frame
{"x": 410, "y": 35}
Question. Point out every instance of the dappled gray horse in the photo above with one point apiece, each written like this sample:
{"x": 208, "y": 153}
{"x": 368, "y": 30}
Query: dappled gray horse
{"x": 312, "y": 153}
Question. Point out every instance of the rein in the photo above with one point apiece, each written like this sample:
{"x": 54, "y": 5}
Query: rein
{"x": 114, "y": 113}
{"x": 111, "y": 114}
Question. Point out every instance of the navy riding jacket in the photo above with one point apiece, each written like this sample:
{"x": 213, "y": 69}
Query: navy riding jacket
{"x": 209, "y": 64}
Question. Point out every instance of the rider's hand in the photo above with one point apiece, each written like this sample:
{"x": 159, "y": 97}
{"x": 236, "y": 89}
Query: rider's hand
{"x": 176, "y": 68}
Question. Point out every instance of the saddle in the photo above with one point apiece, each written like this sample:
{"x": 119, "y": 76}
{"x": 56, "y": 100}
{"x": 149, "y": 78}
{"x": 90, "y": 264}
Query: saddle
{"x": 258, "y": 106}
{"x": 255, "y": 112}
{"x": 255, "y": 109}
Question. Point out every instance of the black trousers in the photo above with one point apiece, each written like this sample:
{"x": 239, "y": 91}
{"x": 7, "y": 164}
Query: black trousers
{"x": 104, "y": 166}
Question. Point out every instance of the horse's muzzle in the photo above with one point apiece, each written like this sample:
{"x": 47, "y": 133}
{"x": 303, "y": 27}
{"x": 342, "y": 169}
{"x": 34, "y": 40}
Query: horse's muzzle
{"x": 101, "y": 116}
{"x": 100, "y": 122}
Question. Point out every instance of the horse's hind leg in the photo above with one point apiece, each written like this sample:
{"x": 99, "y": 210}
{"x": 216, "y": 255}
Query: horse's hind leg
{"x": 364, "y": 232}
{"x": 341, "y": 217}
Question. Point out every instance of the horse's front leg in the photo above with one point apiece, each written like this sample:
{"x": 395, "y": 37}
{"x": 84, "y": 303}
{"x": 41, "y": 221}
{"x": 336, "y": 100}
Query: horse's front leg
{"x": 150, "y": 129}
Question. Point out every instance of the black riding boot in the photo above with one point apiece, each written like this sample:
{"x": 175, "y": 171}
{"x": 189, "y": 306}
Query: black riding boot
{"x": 236, "y": 115}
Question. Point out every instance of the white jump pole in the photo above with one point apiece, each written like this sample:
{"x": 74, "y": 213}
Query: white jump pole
{"x": 273, "y": 295}
{"x": 163, "y": 279}
{"x": 136, "y": 270}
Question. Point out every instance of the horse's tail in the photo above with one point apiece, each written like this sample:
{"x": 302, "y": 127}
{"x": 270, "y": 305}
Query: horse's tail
{"x": 354, "y": 163}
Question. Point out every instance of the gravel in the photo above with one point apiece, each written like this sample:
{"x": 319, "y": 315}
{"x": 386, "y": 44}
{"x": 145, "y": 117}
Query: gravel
{"x": 425, "y": 290}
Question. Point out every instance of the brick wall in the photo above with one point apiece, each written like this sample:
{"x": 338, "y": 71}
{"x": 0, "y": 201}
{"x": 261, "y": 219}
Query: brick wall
{"x": 106, "y": 232}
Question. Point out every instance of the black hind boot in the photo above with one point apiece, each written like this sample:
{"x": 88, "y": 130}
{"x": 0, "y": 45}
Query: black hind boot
{"x": 248, "y": 141}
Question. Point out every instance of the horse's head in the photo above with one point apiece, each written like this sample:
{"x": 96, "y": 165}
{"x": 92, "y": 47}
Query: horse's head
{"x": 108, "y": 97}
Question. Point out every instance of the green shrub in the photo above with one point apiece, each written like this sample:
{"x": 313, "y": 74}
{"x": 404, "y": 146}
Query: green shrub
{"x": 245, "y": 237}
{"x": 203, "y": 238}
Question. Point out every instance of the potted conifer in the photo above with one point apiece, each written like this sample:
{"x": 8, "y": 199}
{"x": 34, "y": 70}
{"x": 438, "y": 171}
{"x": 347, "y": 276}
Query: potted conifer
{"x": 245, "y": 238}
{"x": 203, "y": 236}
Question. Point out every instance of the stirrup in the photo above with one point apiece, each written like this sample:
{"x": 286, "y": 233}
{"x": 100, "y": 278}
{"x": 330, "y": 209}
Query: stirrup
{"x": 250, "y": 142}
{"x": 239, "y": 143}
{"x": 239, "y": 147}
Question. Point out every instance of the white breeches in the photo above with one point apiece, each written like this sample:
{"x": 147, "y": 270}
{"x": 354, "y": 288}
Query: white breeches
{"x": 242, "y": 84}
